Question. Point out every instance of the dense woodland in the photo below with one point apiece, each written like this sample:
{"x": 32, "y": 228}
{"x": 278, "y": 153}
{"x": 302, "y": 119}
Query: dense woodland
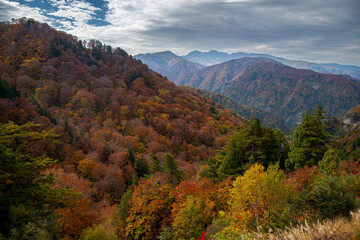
{"x": 267, "y": 119}
{"x": 94, "y": 145}
{"x": 284, "y": 91}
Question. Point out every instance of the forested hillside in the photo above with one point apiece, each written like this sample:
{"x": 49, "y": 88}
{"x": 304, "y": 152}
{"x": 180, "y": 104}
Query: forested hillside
{"x": 115, "y": 120}
{"x": 94, "y": 145}
{"x": 247, "y": 112}
{"x": 273, "y": 87}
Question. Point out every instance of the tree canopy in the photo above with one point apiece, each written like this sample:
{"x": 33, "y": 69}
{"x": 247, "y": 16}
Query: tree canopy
{"x": 252, "y": 144}
{"x": 309, "y": 142}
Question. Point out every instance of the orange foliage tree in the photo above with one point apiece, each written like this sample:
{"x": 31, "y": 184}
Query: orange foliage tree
{"x": 150, "y": 208}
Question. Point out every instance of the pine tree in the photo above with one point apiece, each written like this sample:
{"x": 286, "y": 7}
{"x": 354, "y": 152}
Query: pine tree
{"x": 131, "y": 152}
{"x": 252, "y": 144}
{"x": 309, "y": 143}
{"x": 171, "y": 167}
{"x": 141, "y": 167}
{"x": 123, "y": 212}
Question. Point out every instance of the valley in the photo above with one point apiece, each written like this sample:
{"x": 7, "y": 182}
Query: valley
{"x": 97, "y": 144}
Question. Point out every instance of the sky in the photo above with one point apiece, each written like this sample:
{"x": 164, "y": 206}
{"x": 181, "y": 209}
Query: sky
{"x": 322, "y": 31}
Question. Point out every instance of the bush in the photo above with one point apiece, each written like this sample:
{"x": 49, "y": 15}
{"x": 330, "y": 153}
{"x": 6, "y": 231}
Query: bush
{"x": 331, "y": 197}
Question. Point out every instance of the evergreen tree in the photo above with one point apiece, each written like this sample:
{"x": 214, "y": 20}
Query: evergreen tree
{"x": 26, "y": 191}
{"x": 141, "y": 167}
{"x": 131, "y": 152}
{"x": 6, "y": 91}
{"x": 309, "y": 142}
{"x": 171, "y": 167}
{"x": 155, "y": 164}
{"x": 123, "y": 212}
{"x": 252, "y": 144}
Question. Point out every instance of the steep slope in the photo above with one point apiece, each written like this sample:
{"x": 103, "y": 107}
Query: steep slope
{"x": 273, "y": 87}
{"x": 218, "y": 77}
{"x": 268, "y": 119}
{"x": 214, "y": 57}
{"x": 109, "y": 110}
{"x": 289, "y": 93}
{"x": 168, "y": 64}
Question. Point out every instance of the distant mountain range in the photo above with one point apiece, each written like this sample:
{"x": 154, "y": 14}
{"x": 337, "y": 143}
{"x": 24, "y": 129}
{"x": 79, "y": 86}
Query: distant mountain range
{"x": 169, "y": 65}
{"x": 218, "y": 77}
{"x": 276, "y": 88}
{"x": 214, "y": 57}
{"x": 262, "y": 82}
{"x": 172, "y": 66}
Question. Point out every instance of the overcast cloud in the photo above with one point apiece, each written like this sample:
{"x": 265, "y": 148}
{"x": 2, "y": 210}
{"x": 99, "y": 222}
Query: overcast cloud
{"x": 312, "y": 30}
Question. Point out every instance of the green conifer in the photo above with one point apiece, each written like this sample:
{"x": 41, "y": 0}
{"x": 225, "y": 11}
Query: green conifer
{"x": 309, "y": 143}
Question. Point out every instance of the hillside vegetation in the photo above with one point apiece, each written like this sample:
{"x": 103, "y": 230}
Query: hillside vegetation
{"x": 281, "y": 90}
{"x": 95, "y": 145}
{"x": 247, "y": 112}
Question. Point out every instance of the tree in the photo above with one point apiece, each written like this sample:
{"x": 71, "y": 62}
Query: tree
{"x": 150, "y": 208}
{"x": 155, "y": 164}
{"x": 131, "y": 152}
{"x": 171, "y": 167}
{"x": 78, "y": 212}
{"x": 333, "y": 197}
{"x": 22, "y": 178}
{"x": 141, "y": 167}
{"x": 6, "y": 91}
{"x": 309, "y": 144}
{"x": 252, "y": 144}
{"x": 188, "y": 222}
{"x": 330, "y": 197}
{"x": 258, "y": 197}
{"x": 32, "y": 224}
{"x": 123, "y": 212}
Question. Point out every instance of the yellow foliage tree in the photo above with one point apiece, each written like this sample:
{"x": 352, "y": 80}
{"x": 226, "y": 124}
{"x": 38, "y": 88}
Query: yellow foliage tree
{"x": 257, "y": 197}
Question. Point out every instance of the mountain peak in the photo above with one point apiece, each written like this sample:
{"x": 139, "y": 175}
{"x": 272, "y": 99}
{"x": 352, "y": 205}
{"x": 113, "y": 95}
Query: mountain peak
{"x": 168, "y": 64}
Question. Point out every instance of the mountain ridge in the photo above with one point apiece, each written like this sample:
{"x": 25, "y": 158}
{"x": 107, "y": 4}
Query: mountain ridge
{"x": 217, "y": 77}
{"x": 168, "y": 64}
{"x": 214, "y": 57}
{"x": 274, "y": 87}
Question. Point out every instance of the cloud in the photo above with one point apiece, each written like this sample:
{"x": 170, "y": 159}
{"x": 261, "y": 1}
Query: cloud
{"x": 9, "y": 10}
{"x": 78, "y": 12}
{"x": 313, "y": 30}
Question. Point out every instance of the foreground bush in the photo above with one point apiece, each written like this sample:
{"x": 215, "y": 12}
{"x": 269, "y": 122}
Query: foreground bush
{"x": 337, "y": 229}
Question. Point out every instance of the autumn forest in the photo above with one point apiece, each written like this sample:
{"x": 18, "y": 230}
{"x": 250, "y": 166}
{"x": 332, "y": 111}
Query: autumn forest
{"x": 95, "y": 145}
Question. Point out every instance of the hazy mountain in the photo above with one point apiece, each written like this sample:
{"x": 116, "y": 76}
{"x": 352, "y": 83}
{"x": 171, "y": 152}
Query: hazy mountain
{"x": 208, "y": 58}
{"x": 168, "y": 64}
{"x": 214, "y": 57}
{"x": 273, "y": 87}
{"x": 218, "y": 77}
